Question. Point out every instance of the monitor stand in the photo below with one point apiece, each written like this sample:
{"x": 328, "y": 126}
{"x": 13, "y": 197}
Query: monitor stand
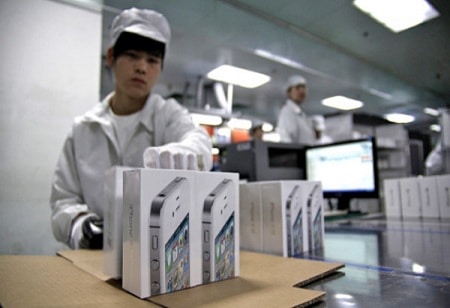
{"x": 343, "y": 203}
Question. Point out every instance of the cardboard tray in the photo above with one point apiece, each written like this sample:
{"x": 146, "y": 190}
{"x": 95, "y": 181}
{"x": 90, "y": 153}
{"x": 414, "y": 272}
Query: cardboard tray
{"x": 265, "y": 280}
{"x": 51, "y": 281}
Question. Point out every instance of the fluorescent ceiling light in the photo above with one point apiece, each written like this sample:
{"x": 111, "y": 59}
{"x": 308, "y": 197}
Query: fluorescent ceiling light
{"x": 435, "y": 128}
{"x": 272, "y": 137}
{"x": 267, "y": 127}
{"x": 417, "y": 268}
{"x": 238, "y": 76}
{"x": 380, "y": 93}
{"x": 286, "y": 61}
{"x": 215, "y": 151}
{"x": 431, "y": 112}
{"x": 224, "y": 131}
{"x": 279, "y": 59}
{"x": 398, "y": 15}
{"x": 235, "y": 123}
{"x": 399, "y": 118}
{"x": 342, "y": 103}
{"x": 206, "y": 119}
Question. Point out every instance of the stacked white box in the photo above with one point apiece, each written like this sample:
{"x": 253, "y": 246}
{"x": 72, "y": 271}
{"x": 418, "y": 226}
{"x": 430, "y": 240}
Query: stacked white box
{"x": 316, "y": 220}
{"x": 443, "y": 187}
{"x": 163, "y": 228}
{"x": 410, "y": 197}
{"x": 251, "y": 235}
{"x": 285, "y": 215}
{"x": 429, "y": 197}
{"x": 217, "y": 203}
{"x": 112, "y": 222}
{"x": 156, "y": 200}
{"x": 392, "y": 199}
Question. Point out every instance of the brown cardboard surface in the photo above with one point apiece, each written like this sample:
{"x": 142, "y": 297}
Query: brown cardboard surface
{"x": 43, "y": 281}
{"x": 284, "y": 271}
{"x": 239, "y": 292}
{"x": 265, "y": 280}
{"x": 89, "y": 260}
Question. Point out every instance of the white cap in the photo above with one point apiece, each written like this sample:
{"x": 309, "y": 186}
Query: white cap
{"x": 293, "y": 81}
{"x": 143, "y": 22}
{"x": 318, "y": 122}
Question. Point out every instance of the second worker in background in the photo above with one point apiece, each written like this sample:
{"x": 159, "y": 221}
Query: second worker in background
{"x": 293, "y": 124}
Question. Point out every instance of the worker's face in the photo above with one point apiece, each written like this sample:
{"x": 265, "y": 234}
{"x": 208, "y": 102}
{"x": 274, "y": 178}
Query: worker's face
{"x": 258, "y": 134}
{"x": 135, "y": 72}
{"x": 298, "y": 93}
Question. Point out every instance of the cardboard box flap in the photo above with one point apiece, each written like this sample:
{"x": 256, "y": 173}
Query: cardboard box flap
{"x": 265, "y": 281}
{"x": 44, "y": 281}
{"x": 239, "y": 292}
{"x": 89, "y": 260}
{"x": 284, "y": 271}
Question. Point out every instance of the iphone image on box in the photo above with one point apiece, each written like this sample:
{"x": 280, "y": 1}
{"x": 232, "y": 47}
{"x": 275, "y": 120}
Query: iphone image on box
{"x": 218, "y": 234}
{"x": 294, "y": 230}
{"x": 169, "y": 238}
{"x": 315, "y": 208}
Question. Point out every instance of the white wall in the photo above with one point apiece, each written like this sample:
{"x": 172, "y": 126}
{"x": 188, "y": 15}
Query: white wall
{"x": 49, "y": 72}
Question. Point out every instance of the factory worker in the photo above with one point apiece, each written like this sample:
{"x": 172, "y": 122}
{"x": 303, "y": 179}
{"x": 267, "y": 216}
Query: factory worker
{"x": 434, "y": 163}
{"x": 257, "y": 132}
{"x": 132, "y": 127}
{"x": 319, "y": 130}
{"x": 293, "y": 124}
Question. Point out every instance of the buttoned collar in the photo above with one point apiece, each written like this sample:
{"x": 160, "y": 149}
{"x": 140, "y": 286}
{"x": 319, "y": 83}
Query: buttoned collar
{"x": 294, "y": 106}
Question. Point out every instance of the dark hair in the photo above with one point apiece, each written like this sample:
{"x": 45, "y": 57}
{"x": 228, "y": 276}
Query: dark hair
{"x": 130, "y": 41}
{"x": 255, "y": 128}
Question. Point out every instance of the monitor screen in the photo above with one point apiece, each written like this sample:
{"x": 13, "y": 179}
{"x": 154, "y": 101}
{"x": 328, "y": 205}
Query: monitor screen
{"x": 346, "y": 169}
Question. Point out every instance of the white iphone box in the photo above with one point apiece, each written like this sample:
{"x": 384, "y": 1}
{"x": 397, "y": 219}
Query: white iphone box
{"x": 443, "y": 186}
{"x": 392, "y": 200}
{"x": 429, "y": 197}
{"x": 410, "y": 196}
{"x": 251, "y": 219}
{"x": 160, "y": 236}
{"x": 112, "y": 222}
{"x": 316, "y": 219}
{"x": 285, "y": 215}
{"x": 217, "y": 203}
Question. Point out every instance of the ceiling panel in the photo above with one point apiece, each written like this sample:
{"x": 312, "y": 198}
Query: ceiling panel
{"x": 342, "y": 52}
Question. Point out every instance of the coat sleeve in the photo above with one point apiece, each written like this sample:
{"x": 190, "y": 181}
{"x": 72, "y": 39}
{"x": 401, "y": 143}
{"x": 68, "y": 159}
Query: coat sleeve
{"x": 179, "y": 133}
{"x": 66, "y": 201}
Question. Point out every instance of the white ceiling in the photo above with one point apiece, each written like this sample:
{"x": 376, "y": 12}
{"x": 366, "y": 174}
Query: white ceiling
{"x": 343, "y": 52}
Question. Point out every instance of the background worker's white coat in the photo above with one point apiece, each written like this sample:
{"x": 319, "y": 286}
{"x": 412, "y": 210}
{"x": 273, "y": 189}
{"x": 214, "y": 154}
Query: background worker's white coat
{"x": 294, "y": 126}
{"x": 92, "y": 147}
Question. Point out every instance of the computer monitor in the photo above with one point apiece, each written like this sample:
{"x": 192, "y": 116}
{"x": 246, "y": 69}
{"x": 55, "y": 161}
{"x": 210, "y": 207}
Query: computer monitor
{"x": 347, "y": 169}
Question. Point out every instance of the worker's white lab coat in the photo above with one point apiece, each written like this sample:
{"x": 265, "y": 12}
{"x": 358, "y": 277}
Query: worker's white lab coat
{"x": 92, "y": 147}
{"x": 434, "y": 163}
{"x": 294, "y": 126}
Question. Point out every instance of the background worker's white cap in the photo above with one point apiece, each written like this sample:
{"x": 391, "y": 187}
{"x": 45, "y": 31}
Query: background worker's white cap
{"x": 143, "y": 22}
{"x": 293, "y": 81}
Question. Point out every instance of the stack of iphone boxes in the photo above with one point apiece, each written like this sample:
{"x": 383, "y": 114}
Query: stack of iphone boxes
{"x": 417, "y": 197}
{"x": 112, "y": 222}
{"x": 281, "y": 217}
{"x": 180, "y": 229}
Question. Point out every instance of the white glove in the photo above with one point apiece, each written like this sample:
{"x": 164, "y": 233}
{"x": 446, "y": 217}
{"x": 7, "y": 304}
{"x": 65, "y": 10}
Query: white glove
{"x": 166, "y": 158}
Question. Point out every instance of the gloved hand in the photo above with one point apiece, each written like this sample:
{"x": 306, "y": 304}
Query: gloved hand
{"x": 92, "y": 233}
{"x": 166, "y": 158}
